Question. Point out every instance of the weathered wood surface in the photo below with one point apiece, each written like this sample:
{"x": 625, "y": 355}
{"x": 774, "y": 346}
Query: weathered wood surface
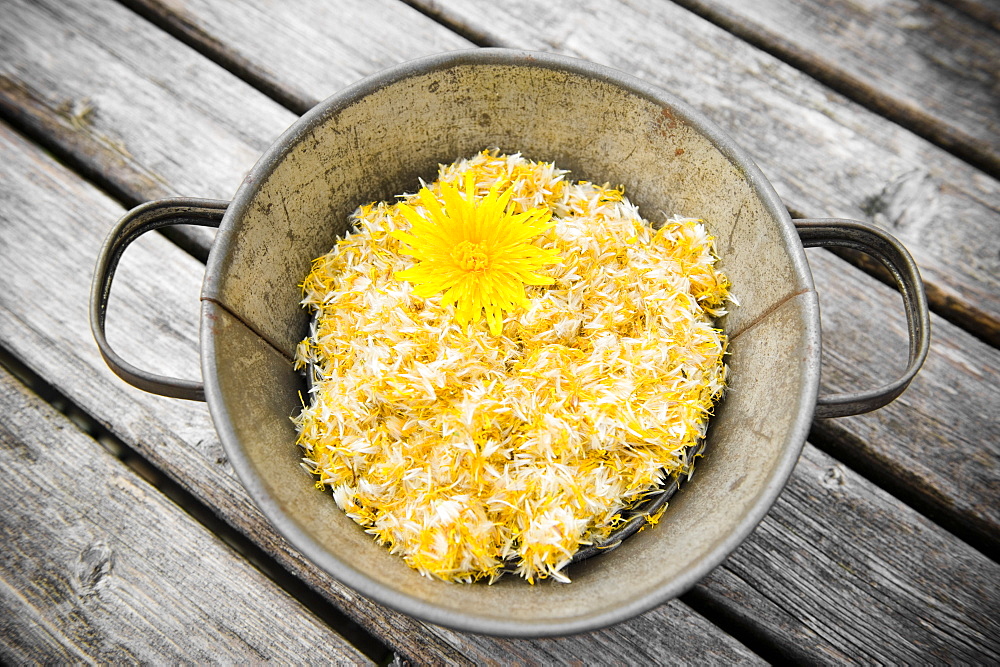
{"x": 984, "y": 11}
{"x": 178, "y": 437}
{"x": 905, "y": 573}
{"x": 52, "y": 229}
{"x": 334, "y": 43}
{"x": 115, "y": 134}
{"x": 824, "y": 568}
{"x": 918, "y": 62}
{"x": 826, "y": 156}
{"x": 938, "y": 445}
{"x": 92, "y": 122}
{"x": 967, "y": 502}
{"x": 98, "y": 566}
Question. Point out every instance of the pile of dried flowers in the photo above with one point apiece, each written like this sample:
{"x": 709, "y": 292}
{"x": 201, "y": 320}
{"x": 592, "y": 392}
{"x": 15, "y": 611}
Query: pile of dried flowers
{"x": 505, "y": 360}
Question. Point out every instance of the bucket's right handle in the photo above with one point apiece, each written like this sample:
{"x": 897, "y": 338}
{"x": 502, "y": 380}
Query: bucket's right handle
{"x": 141, "y": 219}
{"x": 893, "y": 256}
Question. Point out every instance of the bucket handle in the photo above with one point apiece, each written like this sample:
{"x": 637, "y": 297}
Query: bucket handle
{"x": 141, "y": 219}
{"x": 893, "y": 256}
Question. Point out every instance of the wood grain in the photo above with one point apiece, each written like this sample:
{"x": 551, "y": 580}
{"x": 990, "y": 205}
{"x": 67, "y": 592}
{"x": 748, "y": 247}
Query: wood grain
{"x": 986, "y": 12}
{"x": 116, "y": 134}
{"x": 56, "y": 63}
{"x": 826, "y": 156}
{"x": 53, "y": 228}
{"x": 938, "y": 445}
{"x": 332, "y": 43}
{"x": 901, "y": 463}
{"x": 178, "y": 437}
{"x": 918, "y": 62}
{"x": 834, "y": 547}
{"x": 98, "y": 566}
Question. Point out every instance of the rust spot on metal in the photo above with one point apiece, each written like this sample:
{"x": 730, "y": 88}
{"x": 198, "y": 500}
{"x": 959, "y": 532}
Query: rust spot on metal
{"x": 666, "y": 123}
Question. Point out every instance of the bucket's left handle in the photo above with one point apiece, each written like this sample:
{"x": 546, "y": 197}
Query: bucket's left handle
{"x": 144, "y": 218}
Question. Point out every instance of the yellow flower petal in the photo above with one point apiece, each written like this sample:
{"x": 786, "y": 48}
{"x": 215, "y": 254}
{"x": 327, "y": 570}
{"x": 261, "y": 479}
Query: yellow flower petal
{"x": 474, "y": 250}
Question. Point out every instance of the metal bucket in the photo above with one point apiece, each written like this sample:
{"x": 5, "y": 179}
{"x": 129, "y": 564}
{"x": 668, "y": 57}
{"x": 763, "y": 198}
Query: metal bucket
{"x": 376, "y": 139}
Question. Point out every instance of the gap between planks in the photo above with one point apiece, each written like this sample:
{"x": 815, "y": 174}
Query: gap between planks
{"x": 192, "y": 35}
{"x": 104, "y": 571}
{"x": 196, "y": 241}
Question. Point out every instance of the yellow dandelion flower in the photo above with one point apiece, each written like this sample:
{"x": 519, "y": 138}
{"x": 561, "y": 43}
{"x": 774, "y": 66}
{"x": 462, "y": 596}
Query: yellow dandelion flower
{"x": 476, "y": 251}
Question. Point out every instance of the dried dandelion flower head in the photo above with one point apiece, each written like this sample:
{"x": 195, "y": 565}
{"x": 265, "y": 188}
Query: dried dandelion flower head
{"x": 470, "y": 447}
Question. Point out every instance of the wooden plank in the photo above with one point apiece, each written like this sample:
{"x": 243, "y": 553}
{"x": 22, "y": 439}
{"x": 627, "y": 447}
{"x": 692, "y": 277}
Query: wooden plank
{"x": 757, "y": 583}
{"x": 826, "y": 156}
{"x": 98, "y": 566}
{"x": 938, "y": 445}
{"x": 835, "y": 547}
{"x": 903, "y": 466}
{"x": 53, "y": 228}
{"x": 115, "y": 133}
{"x": 918, "y": 62}
{"x": 316, "y": 35}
